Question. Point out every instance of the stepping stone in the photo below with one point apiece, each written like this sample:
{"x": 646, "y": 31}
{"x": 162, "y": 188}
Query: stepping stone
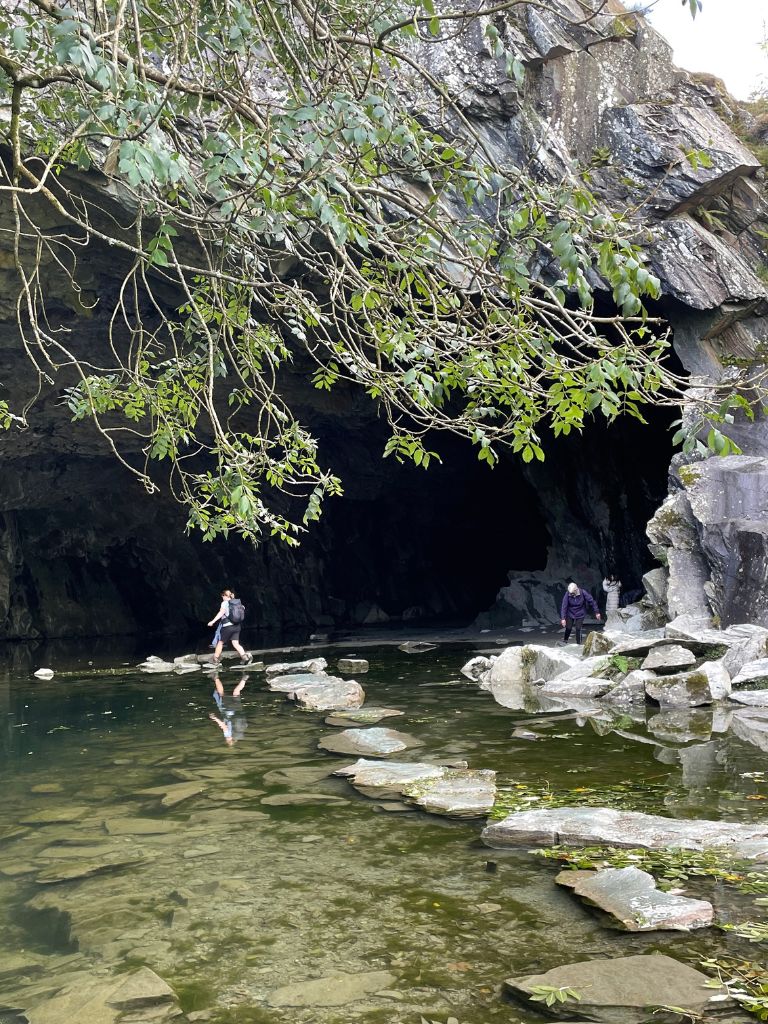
{"x": 375, "y": 741}
{"x": 630, "y": 896}
{"x": 436, "y": 789}
{"x": 603, "y": 826}
{"x": 352, "y": 665}
{"x": 625, "y": 989}
{"x": 312, "y": 666}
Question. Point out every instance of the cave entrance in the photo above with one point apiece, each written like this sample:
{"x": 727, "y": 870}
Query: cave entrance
{"x": 438, "y": 546}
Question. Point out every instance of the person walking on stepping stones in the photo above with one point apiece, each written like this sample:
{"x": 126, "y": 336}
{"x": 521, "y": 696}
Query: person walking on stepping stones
{"x": 573, "y": 610}
{"x": 231, "y": 613}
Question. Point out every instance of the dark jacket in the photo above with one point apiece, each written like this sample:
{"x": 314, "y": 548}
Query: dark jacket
{"x": 574, "y": 606}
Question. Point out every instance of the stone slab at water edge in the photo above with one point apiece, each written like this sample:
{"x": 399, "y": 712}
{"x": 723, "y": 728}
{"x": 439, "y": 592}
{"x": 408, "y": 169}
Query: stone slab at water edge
{"x": 368, "y": 715}
{"x": 437, "y": 789}
{"x": 376, "y": 741}
{"x": 311, "y": 665}
{"x": 318, "y": 691}
{"x": 626, "y": 990}
{"x": 603, "y": 826}
{"x": 631, "y": 898}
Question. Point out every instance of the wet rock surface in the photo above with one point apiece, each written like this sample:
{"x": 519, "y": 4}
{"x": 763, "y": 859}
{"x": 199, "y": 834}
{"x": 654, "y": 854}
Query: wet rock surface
{"x": 622, "y": 990}
{"x": 375, "y": 741}
{"x": 600, "y": 826}
{"x": 631, "y": 898}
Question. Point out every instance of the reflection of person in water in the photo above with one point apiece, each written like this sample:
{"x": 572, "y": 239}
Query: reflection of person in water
{"x": 232, "y": 721}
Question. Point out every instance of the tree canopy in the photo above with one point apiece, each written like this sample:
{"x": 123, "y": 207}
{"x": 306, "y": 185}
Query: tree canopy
{"x": 299, "y": 180}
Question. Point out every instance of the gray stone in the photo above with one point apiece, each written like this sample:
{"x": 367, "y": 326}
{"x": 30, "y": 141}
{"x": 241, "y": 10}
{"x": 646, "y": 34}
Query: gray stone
{"x": 155, "y": 666}
{"x": 318, "y": 691}
{"x": 352, "y": 665}
{"x": 312, "y": 666}
{"x": 80, "y": 869}
{"x": 377, "y": 742}
{"x": 630, "y": 896}
{"x": 377, "y": 779}
{"x": 44, "y": 673}
{"x": 624, "y": 990}
{"x": 458, "y": 794}
{"x": 601, "y": 826}
{"x": 704, "y": 685}
{"x": 140, "y": 826}
{"x": 53, "y": 815}
{"x": 337, "y": 990}
{"x": 582, "y": 687}
{"x": 655, "y": 586}
{"x": 751, "y": 673}
{"x": 751, "y": 726}
{"x": 302, "y": 800}
{"x": 368, "y": 715}
{"x": 141, "y": 989}
{"x": 668, "y": 658}
{"x": 177, "y": 793}
{"x": 631, "y": 689}
{"x": 416, "y": 647}
{"x": 758, "y": 698}
{"x": 476, "y": 668}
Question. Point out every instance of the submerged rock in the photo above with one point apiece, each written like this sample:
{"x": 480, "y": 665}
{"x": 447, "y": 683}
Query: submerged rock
{"x": 624, "y": 989}
{"x": 630, "y": 896}
{"x": 703, "y": 685}
{"x": 336, "y": 990}
{"x": 375, "y": 741}
{"x": 367, "y": 715}
{"x": 602, "y": 826}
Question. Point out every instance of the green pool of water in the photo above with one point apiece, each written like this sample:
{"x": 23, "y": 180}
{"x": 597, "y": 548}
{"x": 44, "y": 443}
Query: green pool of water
{"x": 228, "y": 898}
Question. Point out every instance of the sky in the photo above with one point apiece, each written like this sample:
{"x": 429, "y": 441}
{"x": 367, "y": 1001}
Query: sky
{"x": 724, "y": 40}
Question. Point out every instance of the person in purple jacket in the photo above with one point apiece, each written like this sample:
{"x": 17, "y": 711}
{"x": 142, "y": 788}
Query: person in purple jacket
{"x": 573, "y": 610}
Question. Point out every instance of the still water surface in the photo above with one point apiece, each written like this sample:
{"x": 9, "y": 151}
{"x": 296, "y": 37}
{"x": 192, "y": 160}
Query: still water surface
{"x": 228, "y": 898}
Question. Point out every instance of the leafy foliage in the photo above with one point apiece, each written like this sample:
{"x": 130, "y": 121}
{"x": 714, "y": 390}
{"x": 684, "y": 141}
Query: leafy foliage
{"x": 303, "y": 189}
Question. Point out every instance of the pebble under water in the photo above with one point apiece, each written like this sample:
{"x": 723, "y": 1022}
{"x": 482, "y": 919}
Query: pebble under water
{"x": 269, "y": 872}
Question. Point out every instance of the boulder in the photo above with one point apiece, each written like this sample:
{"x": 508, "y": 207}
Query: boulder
{"x": 752, "y": 698}
{"x": 352, "y": 665}
{"x": 602, "y": 826}
{"x": 631, "y": 689}
{"x": 313, "y": 666}
{"x": 745, "y": 643}
{"x": 704, "y": 685}
{"x": 581, "y": 687}
{"x": 668, "y": 658}
{"x": 655, "y": 586}
{"x": 753, "y": 672}
{"x": 631, "y": 897}
{"x": 600, "y": 642}
{"x": 624, "y": 990}
{"x": 377, "y": 742}
{"x": 328, "y": 695}
{"x": 476, "y": 668}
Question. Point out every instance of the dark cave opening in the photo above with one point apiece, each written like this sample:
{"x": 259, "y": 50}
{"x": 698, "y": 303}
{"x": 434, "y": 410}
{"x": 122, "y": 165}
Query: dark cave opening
{"x": 85, "y": 552}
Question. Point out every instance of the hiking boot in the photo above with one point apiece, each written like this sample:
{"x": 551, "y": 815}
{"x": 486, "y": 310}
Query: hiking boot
{"x": 247, "y": 659}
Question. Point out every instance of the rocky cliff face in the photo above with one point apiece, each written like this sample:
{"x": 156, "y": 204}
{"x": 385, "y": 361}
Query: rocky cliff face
{"x": 83, "y": 551}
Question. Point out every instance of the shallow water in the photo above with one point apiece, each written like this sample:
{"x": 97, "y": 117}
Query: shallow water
{"x": 232, "y": 897}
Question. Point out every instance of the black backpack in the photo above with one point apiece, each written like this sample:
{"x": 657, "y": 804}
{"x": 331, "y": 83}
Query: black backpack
{"x": 236, "y": 612}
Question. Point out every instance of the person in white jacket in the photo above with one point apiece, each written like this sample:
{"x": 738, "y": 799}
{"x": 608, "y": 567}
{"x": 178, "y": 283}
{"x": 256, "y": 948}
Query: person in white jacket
{"x": 612, "y": 588}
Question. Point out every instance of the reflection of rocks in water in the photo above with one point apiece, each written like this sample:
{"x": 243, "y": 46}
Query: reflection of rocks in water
{"x": 751, "y": 726}
{"x": 681, "y": 726}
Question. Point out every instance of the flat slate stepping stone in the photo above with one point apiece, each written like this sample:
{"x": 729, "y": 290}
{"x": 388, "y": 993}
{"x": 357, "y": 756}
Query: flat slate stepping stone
{"x": 318, "y": 691}
{"x": 630, "y": 896}
{"x": 437, "y": 789}
{"x": 336, "y": 990}
{"x": 140, "y": 826}
{"x": 312, "y": 666}
{"x": 176, "y": 793}
{"x": 375, "y": 741}
{"x": 625, "y": 990}
{"x": 364, "y": 716}
{"x": 603, "y": 826}
{"x": 352, "y": 665}
{"x": 296, "y": 775}
{"x": 63, "y": 872}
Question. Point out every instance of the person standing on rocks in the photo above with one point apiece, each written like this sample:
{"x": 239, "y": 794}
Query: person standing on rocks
{"x": 231, "y": 615}
{"x": 573, "y": 610}
{"x": 612, "y": 588}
